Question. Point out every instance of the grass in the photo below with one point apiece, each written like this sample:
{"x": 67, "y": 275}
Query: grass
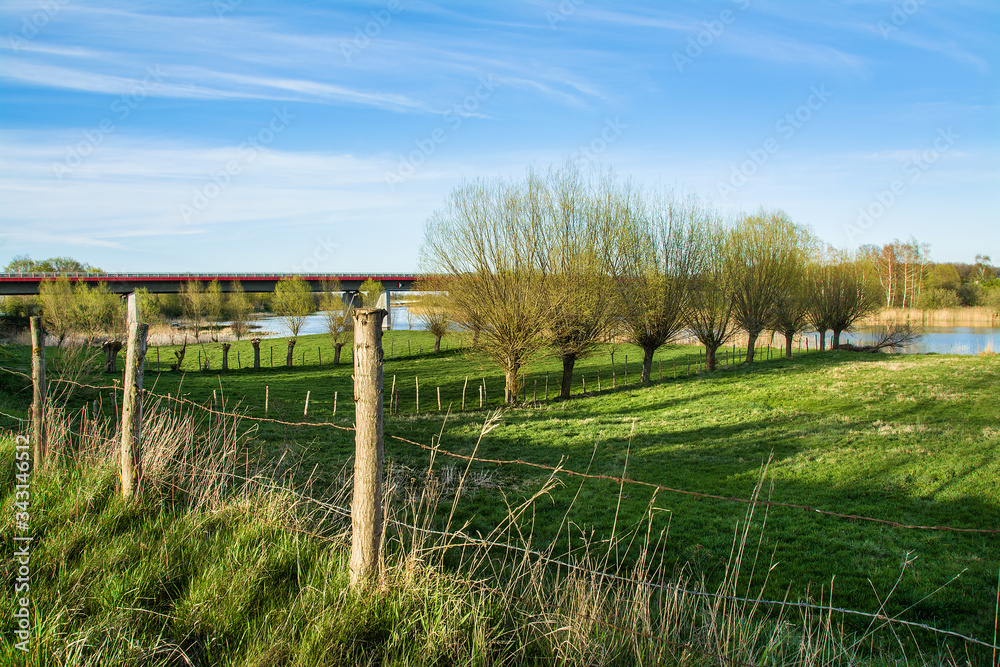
{"x": 907, "y": 439}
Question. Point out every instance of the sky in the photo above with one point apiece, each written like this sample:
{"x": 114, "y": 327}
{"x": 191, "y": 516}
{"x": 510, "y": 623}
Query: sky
{"x": 251, "y": 135}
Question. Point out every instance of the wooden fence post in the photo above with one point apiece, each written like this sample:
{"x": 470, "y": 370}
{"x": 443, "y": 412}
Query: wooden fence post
{"x": 464, "y": 386}
{"x": 366, "y": 504}
{"x": 38, "y": 439}
{"x": 305, "y": 411}
{"x": 131, "y": 445}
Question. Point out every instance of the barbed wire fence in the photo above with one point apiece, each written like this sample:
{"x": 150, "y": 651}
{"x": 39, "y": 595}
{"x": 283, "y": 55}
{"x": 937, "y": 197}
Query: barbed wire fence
{"x": 460, "y": 537}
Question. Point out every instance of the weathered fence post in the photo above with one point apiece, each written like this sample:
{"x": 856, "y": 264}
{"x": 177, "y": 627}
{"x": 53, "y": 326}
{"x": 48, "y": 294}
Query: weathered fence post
{"x": 38, "y": 440}
{"x": 366, "y": 505}
{"x": 131, "y": 446}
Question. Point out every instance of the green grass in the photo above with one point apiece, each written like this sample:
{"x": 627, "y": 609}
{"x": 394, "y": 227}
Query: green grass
{"x": 907, "y": 439}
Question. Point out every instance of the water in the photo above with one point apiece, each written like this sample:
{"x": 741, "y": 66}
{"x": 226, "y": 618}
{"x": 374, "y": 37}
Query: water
{"x": 941, "y": 340}
{"x": 316, "y": 324}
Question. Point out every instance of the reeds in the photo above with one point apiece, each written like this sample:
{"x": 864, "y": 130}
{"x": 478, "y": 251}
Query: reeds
{"x": 945, "y": 317}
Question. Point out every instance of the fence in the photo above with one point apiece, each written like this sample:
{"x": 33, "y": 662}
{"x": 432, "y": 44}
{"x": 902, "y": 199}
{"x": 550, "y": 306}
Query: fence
{"x": 622, "y": 481}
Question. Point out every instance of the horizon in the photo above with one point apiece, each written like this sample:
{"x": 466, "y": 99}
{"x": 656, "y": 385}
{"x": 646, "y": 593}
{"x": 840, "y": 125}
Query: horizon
{"x": 235, "y": 136}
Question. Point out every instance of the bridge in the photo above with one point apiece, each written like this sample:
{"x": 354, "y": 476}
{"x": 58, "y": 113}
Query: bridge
{"x": 163, "y": 283}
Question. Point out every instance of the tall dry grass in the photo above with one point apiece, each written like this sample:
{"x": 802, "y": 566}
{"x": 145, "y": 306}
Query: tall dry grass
{"x": 500, "y": 597}
{"x": 945, "y": 317}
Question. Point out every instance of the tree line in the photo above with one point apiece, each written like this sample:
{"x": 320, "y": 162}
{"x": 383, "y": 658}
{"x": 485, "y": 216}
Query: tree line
{"x": 563, "y": 261}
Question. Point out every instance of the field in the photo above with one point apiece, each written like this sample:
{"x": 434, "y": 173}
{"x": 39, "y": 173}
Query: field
{"x": 905, "y": 440}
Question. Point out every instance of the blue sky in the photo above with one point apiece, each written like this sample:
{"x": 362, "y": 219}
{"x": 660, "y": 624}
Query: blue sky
{"x": 310, "y": 136}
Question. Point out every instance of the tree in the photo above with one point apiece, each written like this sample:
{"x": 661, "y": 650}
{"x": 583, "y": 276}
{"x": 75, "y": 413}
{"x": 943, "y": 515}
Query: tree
{"x": 843, "y": 290}
{"x": 337, "y": 314}
{"x": 58, "y": 307}
{"x": 214, "y": 303}
{"x": 24, "y": 264}
{"x": 763, "y": 252}
{"x": 238, "y": 308}
{"x": 654, "y": 256}
{"x": 489, "y": 239}
{"x": 432, "y": 306}
{"x": 193, "y": 304}
{"x": 580, "y": 285}
{"x": 710, "y": 309}
{"x": 293, "y": 302}
{"x": 371, "y": 291}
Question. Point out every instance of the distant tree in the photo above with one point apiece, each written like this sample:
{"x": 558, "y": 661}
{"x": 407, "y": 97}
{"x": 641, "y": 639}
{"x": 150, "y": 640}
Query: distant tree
{"x": 710, "y": 309}
{"x": 24, "y": 264}
{"x": 193, "y": 305}
{"x": 983, "y": 271}
{"x": 293, "y": 302}
{"x": 337, "y": 314}
{"x": 937, "y": 298}
{"x": 238, "y": 309}
{"x": 58, "y": 307}
{"x": 432, "y": 306}
{"x": 844, "y": 290}
{"x": 942, "y": 276}
{"x": 371, "y": 291}
{"x": 214, "y": 308}
{"x": 149, "y": 305}
{"x": 763, "y": 253}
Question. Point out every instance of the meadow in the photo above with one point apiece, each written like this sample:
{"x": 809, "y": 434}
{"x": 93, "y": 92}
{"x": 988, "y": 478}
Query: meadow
{"x": 903, "y": 440}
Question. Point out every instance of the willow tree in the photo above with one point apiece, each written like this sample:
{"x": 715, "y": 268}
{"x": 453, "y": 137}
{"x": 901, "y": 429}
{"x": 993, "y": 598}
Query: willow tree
{"x": 843, "y": 290}
{"x": 337, "y": 316}
{"x": 710, "y": 303}
{"x": 371, "y": 291}
{"x": 58, "y": 307}
{"x": 193, "y": 304}
{"x": 238, "y": 309}
{"x": 293, "y": 302}
{"x": 434, "y": 307}
{"x": 762, "y": 251}
{"x": 490, "y": 239}
{"x": 580, "y": 287}
{"x": 654, "y": 256}
{"x": 790, "y": 313}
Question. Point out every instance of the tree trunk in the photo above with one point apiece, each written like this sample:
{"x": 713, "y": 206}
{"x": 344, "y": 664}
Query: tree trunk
{"x": 336, "y": 352}
{"x": 789, "y": 335}
{"x": 180, "y": 358}
{"x": 710, "y": 357}
{"x": 291, "y": 348}
{"x": 512, "y": 386}
{"x": 225, "y": 356}
{"x": 822, "y": 340}
{"x": 836, "y": 339}
{"x": 256, "y": 352}
{"x": 111, "y": 350}
{"x": 566, "y": 388}
{"x": 647, "y": 363}
{"x": 437, "y": 344}
{"x": 752, "y": 344}
{"x": 369, "y": 453}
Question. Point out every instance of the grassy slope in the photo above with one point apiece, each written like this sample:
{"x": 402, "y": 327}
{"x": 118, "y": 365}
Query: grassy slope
{"x": 901, "y": 438}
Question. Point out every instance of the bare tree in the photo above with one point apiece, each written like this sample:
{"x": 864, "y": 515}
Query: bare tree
{"x": 654, "y": 257}
{"x": 762, "y": 252}
{"x": 710, "y": 311}
{"x": 58, "y": 307}
{"x": 843, "y": 290}
{"x": 582, "y": 292}
{"x": 214, "y": 308}
{"x": 337, "y": 313}
{"x": 434, "y": 308}
{"x": 489, "y": 238}
{"x": 238, "y": 308}
{"x": 193, "y": 305}
{"x": 293, "y": 302}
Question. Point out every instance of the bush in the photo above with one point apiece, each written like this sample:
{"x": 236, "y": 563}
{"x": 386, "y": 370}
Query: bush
{"x": 971, "y": 294}
{"x": 935, "y": 299}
